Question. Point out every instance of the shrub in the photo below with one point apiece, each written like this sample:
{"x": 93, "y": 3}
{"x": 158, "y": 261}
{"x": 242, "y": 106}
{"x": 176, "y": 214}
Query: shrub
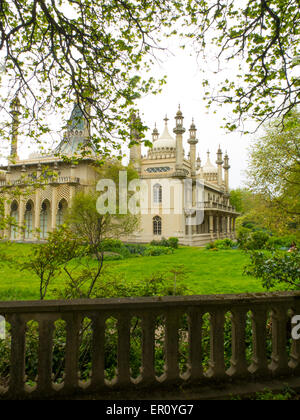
{"x": 173, "y": 242}
{"x": 170, "y": 243}
{"x": 154, "y": 251}
{"x": 136, "y": 249}
{"x": 275, "y": 268}
{"x": 220, "y": 244}
{"x": 116, "y": 246}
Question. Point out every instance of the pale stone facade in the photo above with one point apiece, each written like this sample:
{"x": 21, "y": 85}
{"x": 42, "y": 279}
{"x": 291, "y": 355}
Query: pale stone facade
{"x": 42, "y": 209}
{"x": 166, "y": 164}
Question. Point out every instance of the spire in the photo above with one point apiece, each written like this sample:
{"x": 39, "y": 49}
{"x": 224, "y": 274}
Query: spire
{"x": 155, "y": 133}
{"x": 15, "y": 112}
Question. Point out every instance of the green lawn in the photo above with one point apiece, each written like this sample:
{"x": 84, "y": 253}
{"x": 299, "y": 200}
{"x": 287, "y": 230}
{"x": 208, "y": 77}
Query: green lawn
{"x": 210, "y": 272}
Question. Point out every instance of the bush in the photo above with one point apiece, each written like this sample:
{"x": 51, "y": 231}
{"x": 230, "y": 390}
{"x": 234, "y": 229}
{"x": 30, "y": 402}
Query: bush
{"x": 173, "y": 242}
{"x": 136, "y": 249}
{"x": 115, "y": 246}
{"x": 170, "y": 243}
{"x": 154, "y": 251}
{"x": 252, "y": 240}
{"x": 275, "y": 268}
{"x": 220, "y": 244}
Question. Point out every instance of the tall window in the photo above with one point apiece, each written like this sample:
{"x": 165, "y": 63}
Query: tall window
{"x": 157, "y": 194}
{"x": 157, "y": 225}
{"x": 61, "y": 212}
{"x": 28, "y": 221}
{"x": 15, "y": 216}
{"x": 44, "y": 220}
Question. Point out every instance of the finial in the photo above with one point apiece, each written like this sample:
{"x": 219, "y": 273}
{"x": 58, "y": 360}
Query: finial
{"x": 166, "y": 119}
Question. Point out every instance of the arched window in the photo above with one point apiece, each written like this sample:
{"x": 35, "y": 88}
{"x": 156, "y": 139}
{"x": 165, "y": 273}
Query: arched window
{"x": 28, "y": 220}
{"x": 15, "y": 216}
{"x": 157, "y": 194}
{"x": 62, "y": 207}
{"x": 44, "y": 219}
{"x": 157, "y": 225}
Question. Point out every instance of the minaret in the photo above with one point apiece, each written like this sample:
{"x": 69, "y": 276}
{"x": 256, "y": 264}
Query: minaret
{"x": 192, "y": 142}
{"x": 198, "y": 167}
{"x": 155, "y": 134}
{"x": 136, "y": 148}
{"x": 226, "y": 169}
{"x": 179, "y": 130}
{"x": 15, "y": 112}
{"x": 220, "y": 162}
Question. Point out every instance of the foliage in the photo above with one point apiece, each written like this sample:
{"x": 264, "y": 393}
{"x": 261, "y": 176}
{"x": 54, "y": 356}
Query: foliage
{"x": 171, "y": 242}
{"x": 48, "y": 259}
{"x": 279, "y": 268}
{"x": 95, "y": 53}
{"x": 273, "y": 175}
{"x": 221, "y": 244}
{"x": 261, "y": 41}
{"x": 154, "y": 251}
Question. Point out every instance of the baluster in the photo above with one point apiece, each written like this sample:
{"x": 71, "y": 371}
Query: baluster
{"x": 124, "y": 350}
{"x": 172, "y": 347}
{"x": 259, "y": 365}
{"x": 279, "y": 364}
{"x": 46, "y": 328}
{"x": 98, "y": 352}
{"x": 217, "y": 363}
{"x": 72, "y": 351}
{"x": 17, "y": 360}
{"x": 238, "y": 359}
{"x": 148, "y": 326}
{"x": 195, "y": 345}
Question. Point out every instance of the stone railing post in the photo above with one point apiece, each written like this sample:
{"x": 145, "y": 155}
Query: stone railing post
{"x": 259, "y": 365}
{"x": 171, "y": 343}
{"x": 44, "y": 383}
{"x": 195, "y": 346}
{"x": 217, "y": 363}
{"x": 238, "y": 360}
{"x": 98, "y": 366}
{"x": 279, "y": 364}
{"x": 71, "y": 381}
{"x": 17, "y": 360}
{"x": 124, "y": 350}
{"x": 148, "y": 357}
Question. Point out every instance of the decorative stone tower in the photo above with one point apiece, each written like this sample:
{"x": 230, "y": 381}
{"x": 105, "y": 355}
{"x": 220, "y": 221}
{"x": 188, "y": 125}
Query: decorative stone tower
{"x": 193, "y": 142}
{"x": 179, "y": 130}
{"x": 226, "y": 169}
{"x": 198, "y": 163}
{"x": 155, "y": 134}
{"x": 220, "y": 162}
{"x": 136, "y": 148}
{"x": 15, "y": 112}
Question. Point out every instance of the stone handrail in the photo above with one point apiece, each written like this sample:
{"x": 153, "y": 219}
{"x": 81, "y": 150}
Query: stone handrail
{"x": 172, "y": 308}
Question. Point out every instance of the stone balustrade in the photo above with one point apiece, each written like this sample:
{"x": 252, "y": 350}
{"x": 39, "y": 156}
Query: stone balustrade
{"x": 278, "y": 306}
{"x": 49, "y": 180}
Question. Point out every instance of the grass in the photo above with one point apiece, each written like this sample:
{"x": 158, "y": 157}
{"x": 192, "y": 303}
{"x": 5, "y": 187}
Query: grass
{"x": 209, "y": 272}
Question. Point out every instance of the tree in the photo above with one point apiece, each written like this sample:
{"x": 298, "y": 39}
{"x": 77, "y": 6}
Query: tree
{"x": 91, "y": 229}
{"x": 55, "y": 51}
{"x": 49, "y": 259}
{"x": 274, "y": 172}
{"x": 261, "y": 40}
{"x": 96, "y": 52}
{"x": 276, "y": 269}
